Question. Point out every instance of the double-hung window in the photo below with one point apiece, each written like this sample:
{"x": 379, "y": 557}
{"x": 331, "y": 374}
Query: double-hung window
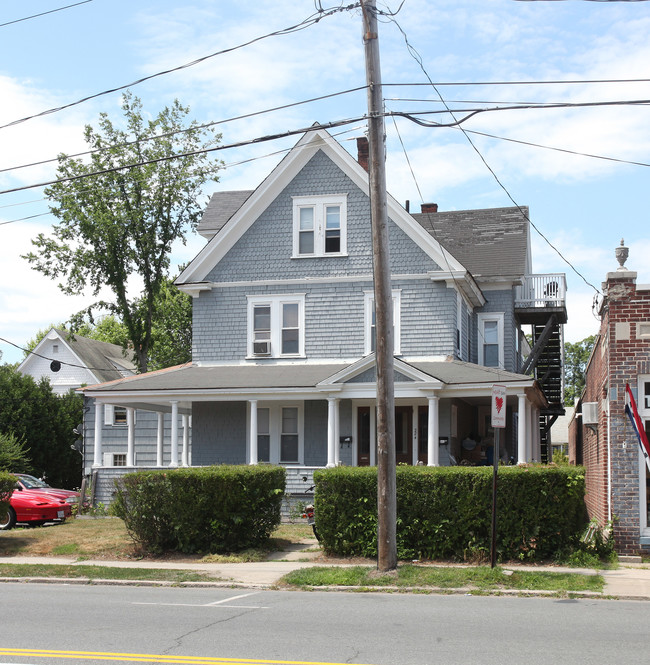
{"x": 276, "y": 326}
{"x": 279, "y": 434}
{"x": 490, "y": 339}
{"x": 370, "y": 337}
{"x": 319, "y": 225}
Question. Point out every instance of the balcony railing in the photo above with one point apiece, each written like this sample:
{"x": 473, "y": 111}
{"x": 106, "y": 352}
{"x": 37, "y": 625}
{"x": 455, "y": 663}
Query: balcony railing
{"x": 547, "y": 290}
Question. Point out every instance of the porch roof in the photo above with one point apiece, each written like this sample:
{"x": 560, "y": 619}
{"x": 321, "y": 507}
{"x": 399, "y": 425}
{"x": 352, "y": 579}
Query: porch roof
{"x": 191, "y": 380}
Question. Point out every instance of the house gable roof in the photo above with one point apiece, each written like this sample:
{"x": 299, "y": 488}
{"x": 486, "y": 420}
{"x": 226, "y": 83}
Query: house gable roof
{"x": 491, "y": 243}
{"x": 254, "y": 205}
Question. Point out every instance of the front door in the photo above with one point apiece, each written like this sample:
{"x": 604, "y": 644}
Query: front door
{"x": 404, "y": 434}
{"x": 363, "y": 436}
{"x": 423, "y": 434}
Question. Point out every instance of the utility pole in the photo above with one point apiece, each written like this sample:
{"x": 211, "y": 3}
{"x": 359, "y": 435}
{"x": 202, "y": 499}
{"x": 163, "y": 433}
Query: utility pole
{"x": 386, "y": 480}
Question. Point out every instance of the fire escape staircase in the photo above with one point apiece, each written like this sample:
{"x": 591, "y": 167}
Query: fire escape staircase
{"x": 546, "y": 315}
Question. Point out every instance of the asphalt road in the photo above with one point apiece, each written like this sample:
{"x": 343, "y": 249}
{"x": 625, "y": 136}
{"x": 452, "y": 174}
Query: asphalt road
{"x": 47, "y": 623}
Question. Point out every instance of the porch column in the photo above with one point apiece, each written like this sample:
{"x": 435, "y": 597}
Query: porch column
{"x": 337, "y": 439}
{"x": 529, "y": 433}
{"x": 97, "y": 449}
{"x": 537, "y": 441}
{"x": 173, "y": 463}
{"x": 186, "y": 440}
{"x": 433, "y": 449}
{"x": 130, "y": 436}
{"x": 521, "y": 429}
{"x": 332, "y": 454}
{"x": 252, "y": 434}
{"x": 160, "y": 438}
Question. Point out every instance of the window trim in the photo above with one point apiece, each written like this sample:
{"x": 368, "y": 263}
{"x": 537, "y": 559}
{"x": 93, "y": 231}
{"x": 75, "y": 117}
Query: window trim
{"x": 319, "y": 205}
{"x": 368, "y": 307}
{"x": 276, "y": 302}
{"x": 274, "y": 433}
{"x": 482, "y": 318}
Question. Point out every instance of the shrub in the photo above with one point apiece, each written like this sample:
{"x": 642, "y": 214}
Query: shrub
{"x": 445, "y": 512}
{"x": 210, "y": 509}
{"x": 7, "y": 485}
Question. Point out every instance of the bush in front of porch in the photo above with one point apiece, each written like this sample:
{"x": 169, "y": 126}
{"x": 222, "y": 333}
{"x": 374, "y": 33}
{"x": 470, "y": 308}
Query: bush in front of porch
{"x": 201, "y": 510}
{"x": 445, "y": 512}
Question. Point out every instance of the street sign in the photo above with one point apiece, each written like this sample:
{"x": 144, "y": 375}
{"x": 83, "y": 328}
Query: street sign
{"x": 498, "y": 406}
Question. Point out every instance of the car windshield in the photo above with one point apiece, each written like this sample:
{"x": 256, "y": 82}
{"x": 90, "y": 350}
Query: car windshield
{"x": 31, "y": 483}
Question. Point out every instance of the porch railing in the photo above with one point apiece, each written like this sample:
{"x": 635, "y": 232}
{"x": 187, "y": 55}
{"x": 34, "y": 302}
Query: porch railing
{"x": 548, "y": 290}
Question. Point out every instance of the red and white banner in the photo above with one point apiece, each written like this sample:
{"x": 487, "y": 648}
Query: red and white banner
{"x": 637, "y": 424}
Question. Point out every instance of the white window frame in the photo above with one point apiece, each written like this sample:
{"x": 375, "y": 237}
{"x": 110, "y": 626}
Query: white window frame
{"x": 319, "y": 205}
{"x": 368, "y": 310}
{"x": 483, "y": 318}
{"x": 110, "y": 418}
{"x": 275, "y": 431}
{"x": 276, "y": 302}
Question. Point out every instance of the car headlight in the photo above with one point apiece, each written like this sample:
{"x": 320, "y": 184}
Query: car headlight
{"x": 72, "y": 499}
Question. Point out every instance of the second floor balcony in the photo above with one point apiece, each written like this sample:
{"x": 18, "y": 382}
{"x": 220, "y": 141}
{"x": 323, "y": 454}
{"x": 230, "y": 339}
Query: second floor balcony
{"x": 540, "y": 296}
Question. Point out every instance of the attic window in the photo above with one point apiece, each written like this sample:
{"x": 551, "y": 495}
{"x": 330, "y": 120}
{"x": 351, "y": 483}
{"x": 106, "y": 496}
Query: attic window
{"x": 55, "y": 348}
{"x": 319, "y": 226}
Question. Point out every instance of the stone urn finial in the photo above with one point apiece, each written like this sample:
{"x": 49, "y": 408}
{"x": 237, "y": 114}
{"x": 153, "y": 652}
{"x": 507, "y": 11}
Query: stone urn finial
{"x": 621, "y": 255}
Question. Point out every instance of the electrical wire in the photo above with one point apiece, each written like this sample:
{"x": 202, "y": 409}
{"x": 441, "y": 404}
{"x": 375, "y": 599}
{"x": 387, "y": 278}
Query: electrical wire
{"x": 187, "y": 129}
{"x": 51, "y": 11}
{"x": 306, "y": 23}
{"x": 416, "y": 56}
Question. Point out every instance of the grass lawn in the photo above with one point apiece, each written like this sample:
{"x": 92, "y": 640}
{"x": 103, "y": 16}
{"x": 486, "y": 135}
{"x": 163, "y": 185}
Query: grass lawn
{"x": 107, "y": 538}
{"x": 445, "y": 577}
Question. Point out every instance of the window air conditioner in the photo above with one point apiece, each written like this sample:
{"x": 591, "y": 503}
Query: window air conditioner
{"x": 262, "y": 348}
{"x": 590, "y": 413}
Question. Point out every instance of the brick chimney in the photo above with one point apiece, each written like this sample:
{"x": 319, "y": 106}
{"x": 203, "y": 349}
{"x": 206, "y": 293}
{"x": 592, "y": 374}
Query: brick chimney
{"x": 429, "y": 207}
{"x": 362, "y": 151}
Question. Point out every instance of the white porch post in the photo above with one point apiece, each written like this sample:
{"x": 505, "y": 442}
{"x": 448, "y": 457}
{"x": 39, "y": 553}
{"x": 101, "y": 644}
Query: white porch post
{"x": 529, "y": 432}
{"x": 160, "y": 438}
{"x": 331, "y": 432}
{"x": 130, "y": 437}
{"x": 337, "y": 440}
{"x": 537, "y": 441}
{"x": 521, "y": 429}
{"x": 97, "y": 448}
{"x": 433, "y": 449}
{"x": 252, "y": 434}
{"x": 186, "y": 440}
{"x": 174, "y": 435}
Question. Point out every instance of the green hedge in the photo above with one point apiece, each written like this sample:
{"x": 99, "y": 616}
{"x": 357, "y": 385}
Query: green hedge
{"x": 446, "y": 512}
{"x": 208, "y": 509}
{"x": 7, "y": 485}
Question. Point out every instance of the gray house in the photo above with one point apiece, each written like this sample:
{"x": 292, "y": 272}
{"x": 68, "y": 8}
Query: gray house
{"x": 283, "y": 367}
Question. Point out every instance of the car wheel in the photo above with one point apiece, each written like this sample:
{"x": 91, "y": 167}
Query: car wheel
{"x": 9, "y": 521}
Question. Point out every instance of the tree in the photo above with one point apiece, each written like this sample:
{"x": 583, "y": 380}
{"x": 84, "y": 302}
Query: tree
{"x": 119, "y": 215}
{"x": 576, "y": 357}
{"x": 14, "y": 455}
{"x": 32, "y": 413}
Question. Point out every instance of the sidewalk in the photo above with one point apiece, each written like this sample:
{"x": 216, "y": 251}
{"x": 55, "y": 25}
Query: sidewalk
{"x": 628, "y": 582}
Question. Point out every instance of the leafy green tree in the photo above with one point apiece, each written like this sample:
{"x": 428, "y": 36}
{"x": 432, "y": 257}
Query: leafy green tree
{"x": 32, "y": 413}
{"x": 576, "y": 357}
{"x": 119, "y": 214}
{"x": 14, "y": 455}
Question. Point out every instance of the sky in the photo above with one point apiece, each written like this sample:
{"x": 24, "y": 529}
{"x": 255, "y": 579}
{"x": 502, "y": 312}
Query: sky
{"x": 585, "y": 179}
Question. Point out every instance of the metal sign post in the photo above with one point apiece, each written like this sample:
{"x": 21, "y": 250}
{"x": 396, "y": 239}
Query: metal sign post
{"x": 498, "y": 423}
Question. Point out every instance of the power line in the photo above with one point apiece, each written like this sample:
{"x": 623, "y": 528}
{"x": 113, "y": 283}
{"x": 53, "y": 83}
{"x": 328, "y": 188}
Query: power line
{"x": 187, "y": 129}
{"x": 416, "y": 56}
{"x": 308, "y": 22}
{"x": 51, "y": 11}
{"x": 192, "y": 153}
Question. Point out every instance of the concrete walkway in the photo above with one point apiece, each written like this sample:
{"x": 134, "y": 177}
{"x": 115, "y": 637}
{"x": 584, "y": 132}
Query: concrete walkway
{"x": 629, "y": 581}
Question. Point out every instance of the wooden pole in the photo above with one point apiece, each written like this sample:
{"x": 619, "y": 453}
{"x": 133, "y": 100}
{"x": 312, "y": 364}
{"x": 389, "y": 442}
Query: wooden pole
{"x": 386, "y": 481}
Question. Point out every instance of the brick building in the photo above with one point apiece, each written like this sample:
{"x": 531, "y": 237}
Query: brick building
{"x": 600, "y": 435}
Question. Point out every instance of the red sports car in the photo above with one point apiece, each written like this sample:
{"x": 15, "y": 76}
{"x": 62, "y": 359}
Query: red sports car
{"x": 34, "y": 508}
{"x": 28, "y": 482}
